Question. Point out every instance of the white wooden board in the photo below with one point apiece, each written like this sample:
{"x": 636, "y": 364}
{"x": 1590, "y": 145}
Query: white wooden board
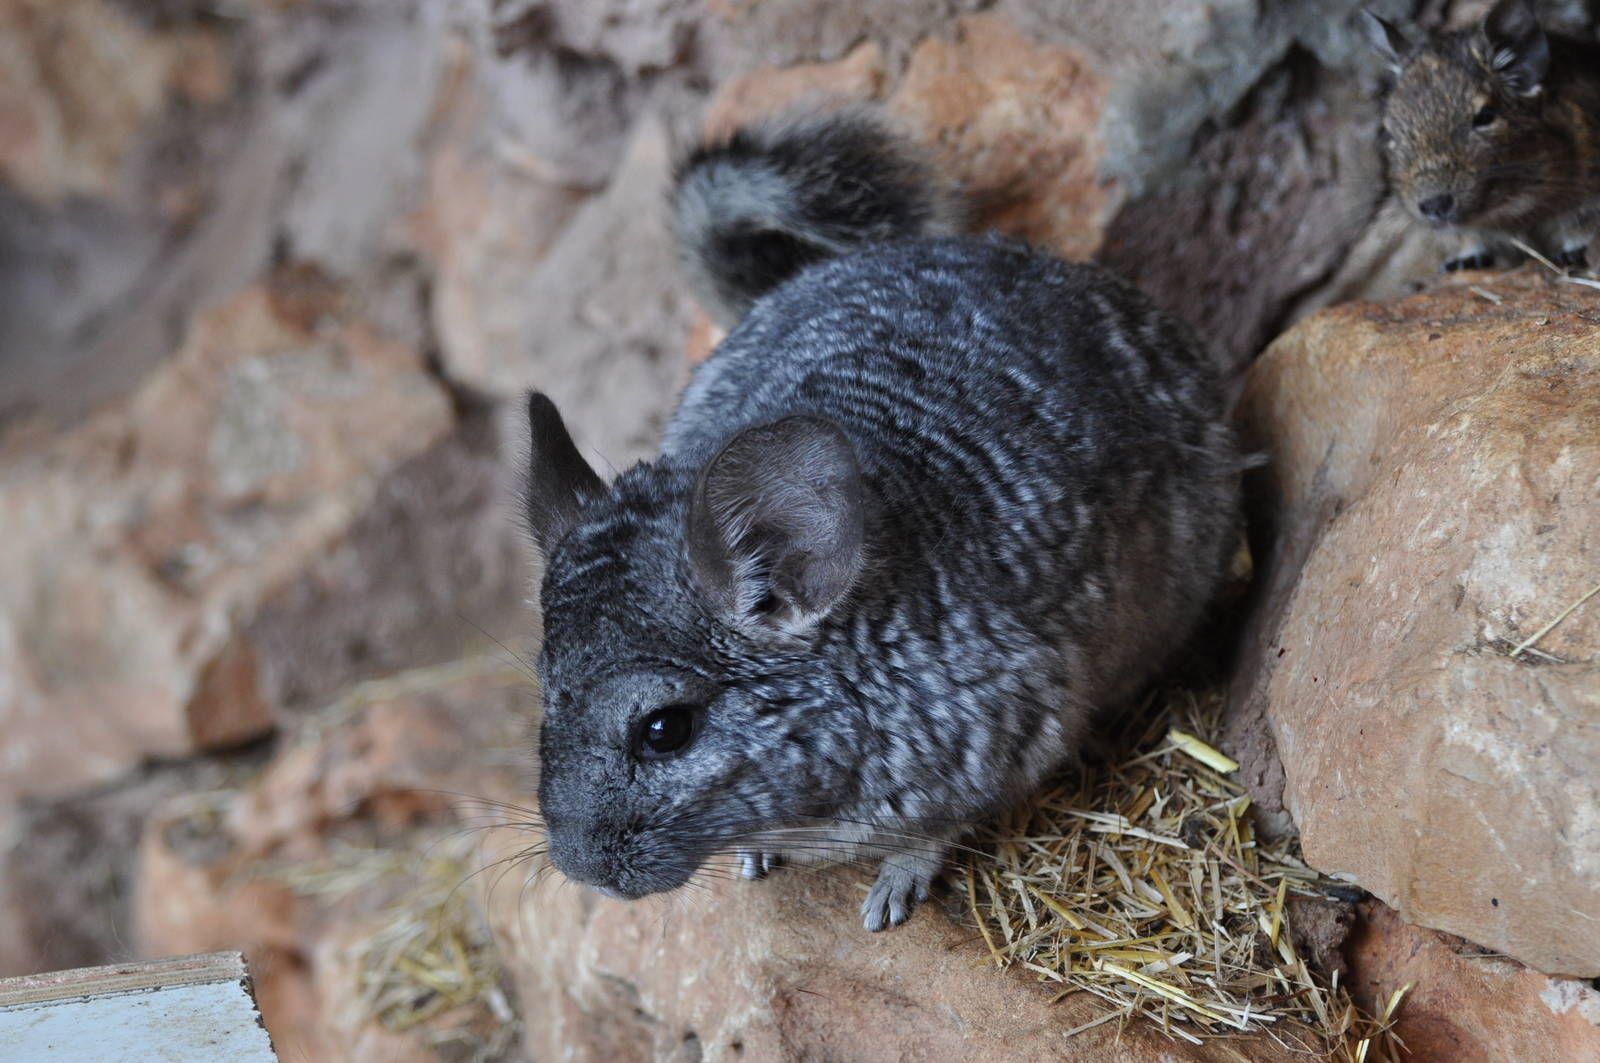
{"x": 193, "y": 1009}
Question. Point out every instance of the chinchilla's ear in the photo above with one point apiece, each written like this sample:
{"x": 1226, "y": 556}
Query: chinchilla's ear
{"x": 1387, "y": 40}
{"x": 558, "y": 480}
{"x": 1518, "y": 51}
{"x": 775, "y": 530}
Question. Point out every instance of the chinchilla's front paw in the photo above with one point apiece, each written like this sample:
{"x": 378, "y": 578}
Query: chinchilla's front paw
{"x": 1479, "y": 259}
{"x": 1572, "y": 257}
{"x": 754, "y": 865}
{"x": 893, "y": 896}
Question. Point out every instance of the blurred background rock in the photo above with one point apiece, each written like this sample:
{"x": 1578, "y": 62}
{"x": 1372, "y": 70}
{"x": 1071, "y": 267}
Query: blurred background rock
{"x": 270, "y": 271}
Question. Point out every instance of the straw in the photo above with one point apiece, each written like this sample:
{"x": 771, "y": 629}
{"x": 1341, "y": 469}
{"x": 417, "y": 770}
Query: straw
{"x": 430, "y": 952}
{"x": 1141, "y": 880}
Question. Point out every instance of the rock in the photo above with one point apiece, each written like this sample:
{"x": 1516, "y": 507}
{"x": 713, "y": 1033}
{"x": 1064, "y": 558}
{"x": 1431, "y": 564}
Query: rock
{"x": 1262, "y": 213}
{"x": 105, "y": 158}
{"x": 361, "y": 824}
{"x": 284, "y": 131}
{"x": 63, "y": 136}
{"x": 1464, "y": 1006}
{"x": 599, "y": 323}
{"x": 1433, "y": 479}
{"x": 487, "y": 219}
{"x": 1175, "y": 72}
{"x": 392, "y": 752}
{"x": 638, "y": 36}
{"x": 1321, "y": 926}
{"x": 741, "y": 37}
{"x": 859, "y": 77}
{"x": 67, "y": 867}
{"x": 361, "y": 86}
{"x": 781, "y": 969}
{"x": 142, "y": 543}
{"x": 1018, "y": 124}
{"x": 596, "y": 69}
{"x": 195, "y": 890}
{"x": 432, "y": 568}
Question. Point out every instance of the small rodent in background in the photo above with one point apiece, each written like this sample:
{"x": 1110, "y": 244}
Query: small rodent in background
{"x": 1495, "y": 132}
{"x": 931, "y": 503}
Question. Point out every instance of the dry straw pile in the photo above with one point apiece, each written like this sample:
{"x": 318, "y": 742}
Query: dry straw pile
{"x": 429, "y": 959}
{"x": 1140, "y": 880}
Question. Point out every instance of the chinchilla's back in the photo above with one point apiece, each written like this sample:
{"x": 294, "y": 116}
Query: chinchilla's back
{"x": 1043, "y": 440}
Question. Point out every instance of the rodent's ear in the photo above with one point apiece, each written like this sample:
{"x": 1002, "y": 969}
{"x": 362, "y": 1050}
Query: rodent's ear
{"x": 558, "y": 480}
{"x": 776, "y": 526}
{"x": 1387, "y": 40}
{"x": 1518, "y": 51}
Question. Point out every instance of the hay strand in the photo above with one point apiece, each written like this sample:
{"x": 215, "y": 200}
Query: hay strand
{"x": 1526, "y": 643}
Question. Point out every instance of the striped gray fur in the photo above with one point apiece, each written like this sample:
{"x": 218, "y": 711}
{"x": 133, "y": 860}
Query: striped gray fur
{"x": 932, "y": 504}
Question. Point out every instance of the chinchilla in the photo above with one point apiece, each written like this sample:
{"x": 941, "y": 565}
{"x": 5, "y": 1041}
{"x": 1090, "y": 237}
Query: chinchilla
{"x": 932, "y": 503}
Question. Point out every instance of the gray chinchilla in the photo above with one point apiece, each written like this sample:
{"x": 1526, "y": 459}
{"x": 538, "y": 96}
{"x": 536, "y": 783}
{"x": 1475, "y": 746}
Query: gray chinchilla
{"x": 934, "y": 501}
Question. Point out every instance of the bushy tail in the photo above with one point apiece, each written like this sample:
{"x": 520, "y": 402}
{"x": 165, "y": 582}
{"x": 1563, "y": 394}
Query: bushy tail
{"x": 770, "y": 199}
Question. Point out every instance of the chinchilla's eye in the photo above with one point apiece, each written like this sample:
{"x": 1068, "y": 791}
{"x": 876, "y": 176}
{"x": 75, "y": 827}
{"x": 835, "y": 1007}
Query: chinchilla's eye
{"x": 667, "y": 731}
{"x": 1486, "y": 117}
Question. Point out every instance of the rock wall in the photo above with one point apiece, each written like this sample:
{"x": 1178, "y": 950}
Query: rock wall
{"x": 1465, "y": 1003}
{"x": 1434, "y": 477}
{"x": 270, "y": 269}
{"x": 143, "y": 541}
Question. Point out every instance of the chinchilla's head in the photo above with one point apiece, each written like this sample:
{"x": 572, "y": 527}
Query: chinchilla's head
{"x": 686, "y": 706}
{"x": 1464, "y": 128}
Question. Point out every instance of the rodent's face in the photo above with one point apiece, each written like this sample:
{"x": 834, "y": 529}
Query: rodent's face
{"x": 685, "y": 707}
{"x": 649, "y": 768}
{"x": 1463, "y": 130}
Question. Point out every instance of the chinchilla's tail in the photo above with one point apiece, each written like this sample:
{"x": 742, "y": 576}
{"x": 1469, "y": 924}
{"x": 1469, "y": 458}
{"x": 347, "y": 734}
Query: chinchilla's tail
{"x": 755, "y": 207}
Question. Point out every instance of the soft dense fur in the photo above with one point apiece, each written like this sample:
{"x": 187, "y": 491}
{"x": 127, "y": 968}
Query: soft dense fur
{"x": 930, "y": 505}
{"x": 1495, "y": 132}
{"x": 768, "y": 199}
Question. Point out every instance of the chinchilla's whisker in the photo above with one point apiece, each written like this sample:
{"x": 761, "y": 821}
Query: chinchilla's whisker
{"x": 846, "y": 853}
{"x": 517, "y": 660}
{"x": 466, "y": 800}
{"x": 505, "y": 864}
{"x": 883, "y": 833}
{"x": 898, "y": 832}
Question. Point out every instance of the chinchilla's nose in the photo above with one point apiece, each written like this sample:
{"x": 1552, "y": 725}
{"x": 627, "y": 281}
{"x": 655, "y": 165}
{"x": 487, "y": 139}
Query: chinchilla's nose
{"x": 577, "y": 855}
{"x": 1440, "y": 209}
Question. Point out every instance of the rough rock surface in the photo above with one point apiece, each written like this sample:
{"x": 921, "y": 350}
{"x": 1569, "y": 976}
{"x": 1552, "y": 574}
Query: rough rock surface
{"x": 137, "y": 544}
{"x": 592, "y": 324}
{"x": 781, "y": 970}
{"x": 1434, "y": 477}
{"x": 1260, "y": 216}
{"x": 431, "y": 569}
{"x": 1017, "y": 123}
{"x": 1465, "y": 1006}
{"x": 358, "y": 823}
{"x": 283, "y": 131}
{"x": 71, "y": 136}
{"x": 67, "y": 867}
